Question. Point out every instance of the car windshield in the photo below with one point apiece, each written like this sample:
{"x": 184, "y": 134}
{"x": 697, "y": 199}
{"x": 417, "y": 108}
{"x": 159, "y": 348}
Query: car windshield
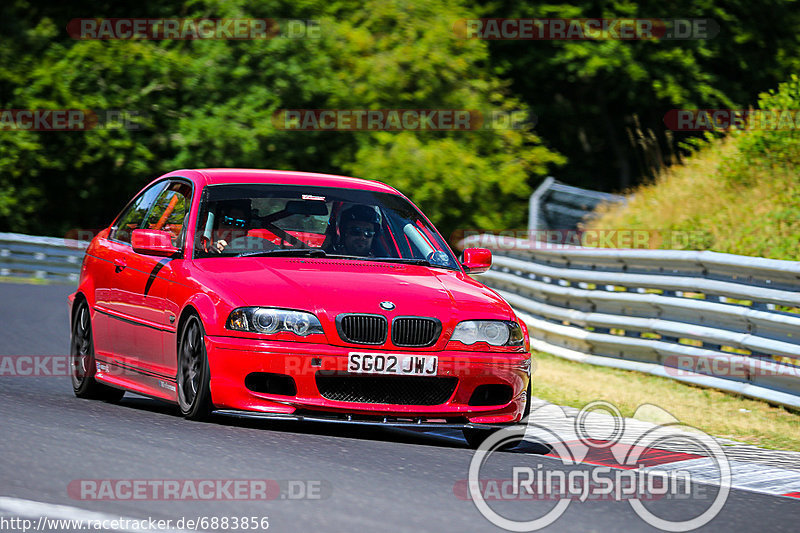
{"x": 293, "y": 220}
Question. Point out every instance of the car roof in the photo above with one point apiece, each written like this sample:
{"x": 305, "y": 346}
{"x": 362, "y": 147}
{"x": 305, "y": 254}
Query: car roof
{"x": 219, "y": 176}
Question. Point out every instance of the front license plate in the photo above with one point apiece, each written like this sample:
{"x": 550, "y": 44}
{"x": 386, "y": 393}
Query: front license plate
{"x": 379, "y": 363}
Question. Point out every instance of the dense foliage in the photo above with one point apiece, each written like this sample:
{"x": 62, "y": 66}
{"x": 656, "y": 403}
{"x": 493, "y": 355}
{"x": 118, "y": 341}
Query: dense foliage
{"x": 211, "y": 103}
{"x": 591, "y": 97}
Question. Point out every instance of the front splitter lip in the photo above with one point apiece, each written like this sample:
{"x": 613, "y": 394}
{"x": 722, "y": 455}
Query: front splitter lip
{"x": 348, "y": 419}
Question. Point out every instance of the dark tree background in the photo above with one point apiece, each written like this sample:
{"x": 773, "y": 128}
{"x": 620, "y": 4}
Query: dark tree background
{"x": 600, "y": 104}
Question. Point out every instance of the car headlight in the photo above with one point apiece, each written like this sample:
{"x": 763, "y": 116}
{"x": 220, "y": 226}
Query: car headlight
{"x": 270, "y": 320}
{"x": 494, "y": 332}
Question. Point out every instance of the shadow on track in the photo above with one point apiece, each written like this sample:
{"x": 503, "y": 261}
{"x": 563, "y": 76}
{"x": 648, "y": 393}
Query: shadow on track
{"x": 443, "y": 438}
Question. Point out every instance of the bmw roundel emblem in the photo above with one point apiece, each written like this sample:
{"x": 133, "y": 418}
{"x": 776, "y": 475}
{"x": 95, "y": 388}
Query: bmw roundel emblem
{"x": 387, "y": 305}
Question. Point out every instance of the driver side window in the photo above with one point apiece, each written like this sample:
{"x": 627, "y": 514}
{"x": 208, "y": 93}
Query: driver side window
{"x": 170, "y": 210}
{"x": 133, "y": 217}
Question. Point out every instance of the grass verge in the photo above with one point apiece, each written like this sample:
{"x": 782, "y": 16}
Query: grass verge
{"x": 698, "y": 206}
{"x": 717, "y": 413}
{"x": 29, "y": 281}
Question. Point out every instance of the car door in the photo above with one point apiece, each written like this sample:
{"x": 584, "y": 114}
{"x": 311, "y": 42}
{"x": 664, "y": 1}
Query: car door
{"x": 148, "y": 286}
{"x": 139, "y": 295}
{"x": 113, "y": 334}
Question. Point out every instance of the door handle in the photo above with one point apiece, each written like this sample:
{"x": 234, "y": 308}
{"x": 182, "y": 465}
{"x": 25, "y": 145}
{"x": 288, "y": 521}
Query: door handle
{"x": 119, "y": 265}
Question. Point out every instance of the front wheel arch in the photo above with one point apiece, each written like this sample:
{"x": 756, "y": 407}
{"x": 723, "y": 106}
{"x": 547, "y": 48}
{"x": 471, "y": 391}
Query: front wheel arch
{"x": 76, "y": 303}
{"x": 187, "y": 312}
{"x": 199, "y": 405}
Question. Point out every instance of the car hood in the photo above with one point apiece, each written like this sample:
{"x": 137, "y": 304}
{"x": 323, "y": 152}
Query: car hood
{"x": 329, "y": 287}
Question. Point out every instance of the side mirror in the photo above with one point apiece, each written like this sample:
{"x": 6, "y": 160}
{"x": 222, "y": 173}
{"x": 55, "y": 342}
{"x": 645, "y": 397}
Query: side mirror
{"x": 476, "y": 260}
{"x": 153, "y": 242}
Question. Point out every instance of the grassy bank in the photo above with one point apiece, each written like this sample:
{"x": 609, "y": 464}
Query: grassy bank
{"x": 739, "y": 194}
{"x": 717, "y": 413}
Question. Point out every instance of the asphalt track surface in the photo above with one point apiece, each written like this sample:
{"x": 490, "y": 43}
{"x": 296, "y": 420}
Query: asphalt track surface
{"x": 370, "y": 480}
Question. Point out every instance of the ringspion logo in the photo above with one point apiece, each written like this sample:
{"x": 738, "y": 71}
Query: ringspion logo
{"x": 628, "y": 473}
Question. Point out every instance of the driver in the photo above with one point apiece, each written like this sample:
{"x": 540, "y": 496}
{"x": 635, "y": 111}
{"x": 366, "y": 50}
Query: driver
{"x": 233, "y": 218}
{"x": 357, "y": 228}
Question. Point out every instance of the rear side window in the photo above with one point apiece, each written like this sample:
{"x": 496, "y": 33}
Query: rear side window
{"x": 133, "y": 217}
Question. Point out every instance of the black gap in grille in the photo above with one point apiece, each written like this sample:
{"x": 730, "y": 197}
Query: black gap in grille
{"x": 415, "y": 331}
{"x": 362, "y": 329}
{"x": 268, "y": 383}
{"x": 491, "y": 395}
{"x": 396, "y": 390}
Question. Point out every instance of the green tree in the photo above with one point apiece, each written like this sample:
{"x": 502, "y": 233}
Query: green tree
{"x": 211, "y": 103}
{"x": 588, "y": 94}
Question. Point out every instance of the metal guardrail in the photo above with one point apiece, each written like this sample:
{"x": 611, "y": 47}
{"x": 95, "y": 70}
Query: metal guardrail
{"x": 725, "y": 321}
{"x": 719, "y": 320}
{"x": 554, "y": 205}
{"x": 46, "y": 258}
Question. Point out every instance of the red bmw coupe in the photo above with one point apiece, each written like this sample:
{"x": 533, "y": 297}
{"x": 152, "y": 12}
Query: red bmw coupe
{"x": 295, "y": 296}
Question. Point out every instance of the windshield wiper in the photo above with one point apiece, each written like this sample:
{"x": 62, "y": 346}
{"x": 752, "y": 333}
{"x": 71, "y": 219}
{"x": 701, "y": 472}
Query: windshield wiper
{"x": 288, "y": 252}
{"x": 401, "y": 260}
{"x": 405, "y": 261}
{"x": 422, "y": 262}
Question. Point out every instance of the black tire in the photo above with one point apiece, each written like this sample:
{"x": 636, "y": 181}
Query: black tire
{"x": 476, "y": 437}
{"x": 82, "y": 361}
{"x": 194, "y": 393}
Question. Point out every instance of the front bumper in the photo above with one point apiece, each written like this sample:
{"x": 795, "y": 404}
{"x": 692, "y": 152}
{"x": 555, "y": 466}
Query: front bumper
{"x": 355, "y": 420}
{"x": 231, "y": 359}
